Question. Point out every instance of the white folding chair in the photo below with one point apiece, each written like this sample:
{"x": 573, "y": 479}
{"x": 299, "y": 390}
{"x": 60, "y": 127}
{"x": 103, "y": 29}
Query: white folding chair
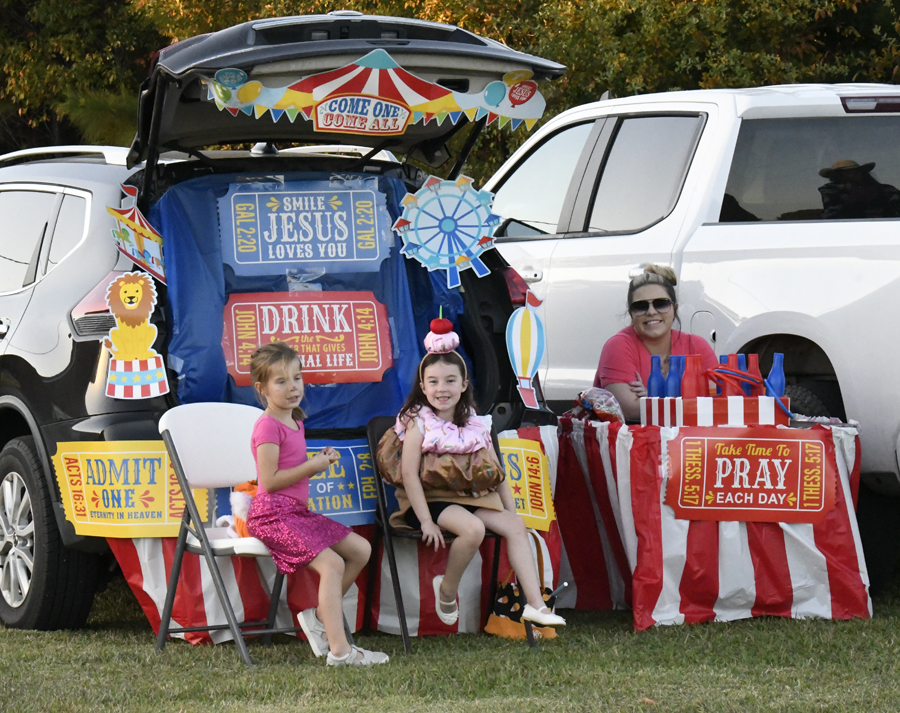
{"x": 209, "y": 445}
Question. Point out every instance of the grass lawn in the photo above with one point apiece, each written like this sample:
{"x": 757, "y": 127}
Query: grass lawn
{"x": 597, "y": 664}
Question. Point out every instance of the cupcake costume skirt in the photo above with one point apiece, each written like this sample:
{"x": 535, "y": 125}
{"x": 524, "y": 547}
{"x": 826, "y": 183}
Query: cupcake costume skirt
{"x": 293, "y": 534}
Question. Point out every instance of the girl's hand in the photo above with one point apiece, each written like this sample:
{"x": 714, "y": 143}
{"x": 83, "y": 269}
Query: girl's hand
{"x": 323, "y": 460}
{"x": 431, "y": 534}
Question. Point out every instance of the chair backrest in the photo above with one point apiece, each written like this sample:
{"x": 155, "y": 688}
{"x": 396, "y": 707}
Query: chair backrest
{"x": 212, "y": 441}
{"x": 375, "y": 429}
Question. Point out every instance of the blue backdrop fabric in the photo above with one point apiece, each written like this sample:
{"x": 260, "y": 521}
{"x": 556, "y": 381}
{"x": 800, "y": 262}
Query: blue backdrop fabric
{"x": 199, "y": 285}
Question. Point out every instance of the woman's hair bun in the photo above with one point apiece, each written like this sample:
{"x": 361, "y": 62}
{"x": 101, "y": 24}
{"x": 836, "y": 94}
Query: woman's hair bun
{"x": 663, "y": 271}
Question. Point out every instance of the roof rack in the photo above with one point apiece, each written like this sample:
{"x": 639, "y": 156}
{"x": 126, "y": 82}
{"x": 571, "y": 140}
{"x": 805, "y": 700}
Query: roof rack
{"x": 112, "y": 155}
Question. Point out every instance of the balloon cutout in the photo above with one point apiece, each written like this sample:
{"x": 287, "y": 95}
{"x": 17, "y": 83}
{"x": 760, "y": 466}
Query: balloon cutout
{"x": 494, "y": 93}
{"x": 525, "y": 344}
{"x": 522, "y": 92}
{"x": 446, "y": 225}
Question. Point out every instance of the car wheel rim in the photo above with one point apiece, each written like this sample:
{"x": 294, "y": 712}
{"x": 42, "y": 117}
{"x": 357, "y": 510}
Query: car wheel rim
{"x": 17, "y": 545}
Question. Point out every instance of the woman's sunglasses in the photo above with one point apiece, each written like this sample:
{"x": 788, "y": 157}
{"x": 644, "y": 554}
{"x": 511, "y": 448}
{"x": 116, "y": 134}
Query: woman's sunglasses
{"x": 661, "y": 305}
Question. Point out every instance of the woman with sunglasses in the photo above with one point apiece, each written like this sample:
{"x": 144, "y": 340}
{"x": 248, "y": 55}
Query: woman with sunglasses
{"x": 625, "y": 360}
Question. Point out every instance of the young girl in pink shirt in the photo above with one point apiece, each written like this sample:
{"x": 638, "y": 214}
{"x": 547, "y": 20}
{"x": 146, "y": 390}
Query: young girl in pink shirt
{"x": 280, "y": 518}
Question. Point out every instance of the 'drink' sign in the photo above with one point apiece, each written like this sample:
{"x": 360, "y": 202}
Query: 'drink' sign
{"x": 341, "y": 337}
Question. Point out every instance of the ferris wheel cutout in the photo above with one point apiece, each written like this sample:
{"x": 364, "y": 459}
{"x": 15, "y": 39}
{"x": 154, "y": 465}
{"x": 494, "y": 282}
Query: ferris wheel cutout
{"x": 447, "y": 225}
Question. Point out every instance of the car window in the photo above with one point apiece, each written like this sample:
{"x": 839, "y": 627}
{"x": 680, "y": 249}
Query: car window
{"x": 532, "y": 197}
{"x": 815, "y": 169}
{"x": 25, "y": 215}
{"x": 644, "y": 172}
{"x": 69, "y": 229}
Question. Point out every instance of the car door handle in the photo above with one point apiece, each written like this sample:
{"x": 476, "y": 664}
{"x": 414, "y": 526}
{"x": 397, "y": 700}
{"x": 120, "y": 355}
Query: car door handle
{"x": 4, "y": 327}
{"x": 532, "y": 275}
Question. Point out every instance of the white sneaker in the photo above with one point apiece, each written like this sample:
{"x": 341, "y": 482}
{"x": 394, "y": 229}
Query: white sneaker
{"x": 357, "y": 657}
{"x": 449, "y": 618}
{"x": 542, "y": 617}
{"x": 314, "y": 630}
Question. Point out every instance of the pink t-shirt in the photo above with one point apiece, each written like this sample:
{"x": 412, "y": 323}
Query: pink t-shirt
{"x": 624, "y": 353}
{"x": 291, "y": 451}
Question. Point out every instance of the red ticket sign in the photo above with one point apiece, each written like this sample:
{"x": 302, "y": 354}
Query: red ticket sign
{"x": 751, "y": 474}
{"x": 341, "y": 337}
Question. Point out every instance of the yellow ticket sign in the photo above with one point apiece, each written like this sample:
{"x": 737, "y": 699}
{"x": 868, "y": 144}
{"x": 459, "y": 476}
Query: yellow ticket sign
{"x": 121, "y": 488}
{"x": 528, "y": 474}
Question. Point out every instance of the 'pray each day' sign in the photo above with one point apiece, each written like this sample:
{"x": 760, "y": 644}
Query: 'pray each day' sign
{"x": 341, "y": 337}
{"x": 750, "y": 474}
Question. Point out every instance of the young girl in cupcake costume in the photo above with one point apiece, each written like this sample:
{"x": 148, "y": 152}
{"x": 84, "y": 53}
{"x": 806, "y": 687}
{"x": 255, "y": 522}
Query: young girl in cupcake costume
{"x": 439, "y": 419}
{"x": 280, "y": 518}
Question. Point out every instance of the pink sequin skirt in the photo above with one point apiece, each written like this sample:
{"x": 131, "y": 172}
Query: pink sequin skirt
{"x": 293, "y": 533}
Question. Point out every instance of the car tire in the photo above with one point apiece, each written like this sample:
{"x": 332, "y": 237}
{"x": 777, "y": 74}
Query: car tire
{"x": 804, "y": 401}
{"x": 43, "y": 585}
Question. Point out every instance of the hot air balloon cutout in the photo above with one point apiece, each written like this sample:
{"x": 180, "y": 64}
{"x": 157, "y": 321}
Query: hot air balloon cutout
{"x": 137, "y": 239}
{"x": 447, "y": 225}
{"x": 525, "y": 344}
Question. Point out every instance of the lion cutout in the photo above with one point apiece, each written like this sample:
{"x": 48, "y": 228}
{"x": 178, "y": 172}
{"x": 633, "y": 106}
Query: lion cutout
{"x": 131, "y": 299}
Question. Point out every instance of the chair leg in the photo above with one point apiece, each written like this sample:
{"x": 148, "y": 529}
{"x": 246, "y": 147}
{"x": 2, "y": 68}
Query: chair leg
{"x": 398, "y": 596}
{"x": 495, "y": 573}
{"x": 166, "y": 617}
{"x": 349, "y": 633}
{"x": 226, "y": 605}
{"x": 274, "y": 600}
{"x": 370, "y": 582}
{"x": 529, "y": 633}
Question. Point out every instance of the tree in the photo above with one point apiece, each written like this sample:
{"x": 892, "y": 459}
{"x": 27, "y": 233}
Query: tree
{"x": 58, "y": 56}
{"x": 78, "y": 64}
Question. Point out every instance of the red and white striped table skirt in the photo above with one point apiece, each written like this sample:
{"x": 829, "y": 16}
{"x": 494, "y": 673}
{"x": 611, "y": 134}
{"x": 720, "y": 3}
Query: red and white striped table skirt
{"x": 681, "y": 571}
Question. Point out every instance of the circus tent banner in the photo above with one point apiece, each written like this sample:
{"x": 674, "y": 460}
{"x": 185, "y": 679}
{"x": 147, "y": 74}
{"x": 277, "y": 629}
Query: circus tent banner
{"x": 375, "y": 96}
{"x": 137, "y": 239}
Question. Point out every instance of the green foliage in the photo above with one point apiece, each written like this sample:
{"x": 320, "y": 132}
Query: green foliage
{"x": 104, "y": 117}
{"x": 596, "y": 664}
{"x": 55, "y": 51}
{"x": 59, "y": 57}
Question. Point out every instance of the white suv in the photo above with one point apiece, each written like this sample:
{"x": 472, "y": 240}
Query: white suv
{"x": 777, "y": 208}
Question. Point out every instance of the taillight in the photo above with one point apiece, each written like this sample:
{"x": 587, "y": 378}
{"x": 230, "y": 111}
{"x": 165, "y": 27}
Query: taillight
{"x": 871, "y": 105}
{"x": 91, "y": 317}
{"x": 517, "y": 287}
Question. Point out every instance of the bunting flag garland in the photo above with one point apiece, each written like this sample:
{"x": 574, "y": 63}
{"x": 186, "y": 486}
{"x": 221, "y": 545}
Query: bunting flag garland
{"x": 375, "y": 96}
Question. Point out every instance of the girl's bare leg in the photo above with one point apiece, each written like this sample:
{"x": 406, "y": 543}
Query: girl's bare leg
{"x": 329, "y": 565}
{"x": 512, "y": 528}
{"x": 469, "y": 531}
{"x": 355, "y": 551}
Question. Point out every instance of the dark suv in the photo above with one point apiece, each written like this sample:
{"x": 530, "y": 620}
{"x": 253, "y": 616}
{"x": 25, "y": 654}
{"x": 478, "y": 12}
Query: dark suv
{"x": 58, "y": 258}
